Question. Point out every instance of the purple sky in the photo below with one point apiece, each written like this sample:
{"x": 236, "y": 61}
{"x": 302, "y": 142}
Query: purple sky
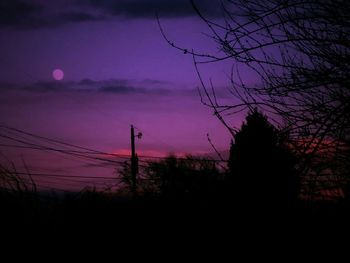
{"x": 118, "y": 70}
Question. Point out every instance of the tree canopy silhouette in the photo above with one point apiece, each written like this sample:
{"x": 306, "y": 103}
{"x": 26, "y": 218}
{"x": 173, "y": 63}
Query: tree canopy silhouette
{"x": 261, "y": 167}
{"x": 300, "y": 52}
{"x": 177, "y": 179}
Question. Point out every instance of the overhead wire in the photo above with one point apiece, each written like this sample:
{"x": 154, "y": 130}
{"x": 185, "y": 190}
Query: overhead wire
{"x": 93, "y": 151}
{"x": 69, "y": 152}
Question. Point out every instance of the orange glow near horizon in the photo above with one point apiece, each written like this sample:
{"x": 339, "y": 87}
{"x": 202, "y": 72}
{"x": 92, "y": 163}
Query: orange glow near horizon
{"x": 148, "y": 153}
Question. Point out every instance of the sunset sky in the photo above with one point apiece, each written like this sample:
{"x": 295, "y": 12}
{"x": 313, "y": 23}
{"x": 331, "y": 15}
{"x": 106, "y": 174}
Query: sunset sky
{"x": 114, "y": 69}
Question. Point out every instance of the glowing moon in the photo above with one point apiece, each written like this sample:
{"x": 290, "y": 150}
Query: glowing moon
{"x": 58, "y": 74}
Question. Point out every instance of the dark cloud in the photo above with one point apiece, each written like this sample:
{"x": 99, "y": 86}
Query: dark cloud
{"x": 133, "y": 90}
{"x": 50, "y": 86}
{"x": 100, "y": 83}
{"x": 121, "y": 89}
{"x": 77, "y": 17}
{"x": 23, "y": 14}
{"x": 19, "y": 13}
{"x": 148, "y": 8}
{"x": 155, "y": 82}
{"x": 115, "y": 86}
{"x": 87, "y": 82}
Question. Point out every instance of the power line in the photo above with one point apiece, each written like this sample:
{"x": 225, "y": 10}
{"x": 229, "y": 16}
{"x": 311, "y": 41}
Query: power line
{"x": 59, "y": 179}
{"x": 181, "y": 158}
{"x": 93, "y": 151}
{"x": 52, "y": 140}
{"x": 66, "y": 183}
{"x": 68, "y": 176}
{"x": 116, "y": 155}
{"x": 83, "y": 161}
{"x": 87, "y": 151}
{"x": 69, "y": 152}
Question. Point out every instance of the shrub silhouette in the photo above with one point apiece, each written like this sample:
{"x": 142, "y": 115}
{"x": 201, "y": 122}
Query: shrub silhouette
{"x": 185, "y": 178}
{"x": 178, "y": 179}
{"x": 261, "y": 167}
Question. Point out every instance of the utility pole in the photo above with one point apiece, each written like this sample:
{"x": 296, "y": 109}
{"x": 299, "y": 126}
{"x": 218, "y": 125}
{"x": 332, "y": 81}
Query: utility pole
{"x": 133, "y": 163}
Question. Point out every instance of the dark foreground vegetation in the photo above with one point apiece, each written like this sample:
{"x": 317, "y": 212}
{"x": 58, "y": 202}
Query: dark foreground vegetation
{"x": 94, "y": 212}
{"x": 258, "y": 188}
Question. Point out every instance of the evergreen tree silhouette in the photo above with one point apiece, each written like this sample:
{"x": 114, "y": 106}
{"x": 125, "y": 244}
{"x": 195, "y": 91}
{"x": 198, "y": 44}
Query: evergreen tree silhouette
{"x": 261, "y": 167}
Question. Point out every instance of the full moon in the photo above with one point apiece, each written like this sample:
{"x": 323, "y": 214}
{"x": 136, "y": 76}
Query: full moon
{"x": 58, "y": 74}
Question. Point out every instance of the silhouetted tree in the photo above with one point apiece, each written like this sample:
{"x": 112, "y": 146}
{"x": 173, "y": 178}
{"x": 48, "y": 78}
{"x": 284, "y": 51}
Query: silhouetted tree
{"x": 301, "y": 53}
{"x": 147, "y": 183}
{"x": 185, "y": 178}
{"x": 176, "y": 179}
{"x": 261, "y": 167}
